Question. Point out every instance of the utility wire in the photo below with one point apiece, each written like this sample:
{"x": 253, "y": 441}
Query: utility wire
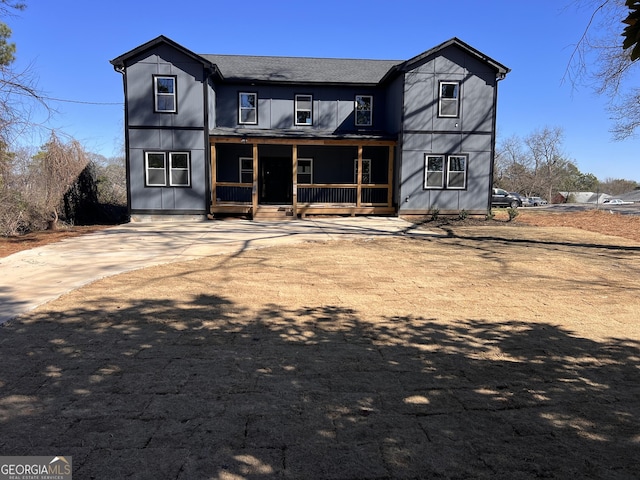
{"x": 79, "y": 101}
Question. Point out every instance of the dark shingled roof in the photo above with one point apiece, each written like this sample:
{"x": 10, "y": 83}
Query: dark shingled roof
{"x": 301, "y": 69}
{"x": 305, "y": 70}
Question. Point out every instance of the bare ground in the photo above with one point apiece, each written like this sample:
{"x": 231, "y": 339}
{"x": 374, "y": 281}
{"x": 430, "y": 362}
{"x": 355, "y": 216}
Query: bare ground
{"x": 493, "y": 352}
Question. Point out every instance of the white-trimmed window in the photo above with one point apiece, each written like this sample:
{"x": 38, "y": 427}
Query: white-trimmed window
{"x": 449, "y": 99}
{"x": 363, "y": 110}
{"x": 164, "y": 89}
{"x": 248, "y": 108}
{"x": 434, "y": 171}
{"x": 179, "y": 169}
{"x": 155, "y": 167}
{"x": 305, "y": 170}
{"x": 457, "y": 171}
{"x": 366, "y": 170}
{"x": 449, "y": 170}
{"x": 175, "y": 173}
{"x": 304, "y": 109}
{"x": 246, "y": 170}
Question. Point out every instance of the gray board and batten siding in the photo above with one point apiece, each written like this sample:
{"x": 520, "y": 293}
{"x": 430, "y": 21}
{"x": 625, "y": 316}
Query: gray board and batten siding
{"x": 471, "y": 132}
{"x": 405, "y": 110}
{"x": 148, "y": 131}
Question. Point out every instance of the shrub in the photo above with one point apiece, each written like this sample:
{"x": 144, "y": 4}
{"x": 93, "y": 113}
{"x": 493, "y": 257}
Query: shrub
{"x": 490, "y": 215}
{"x": 513, "y": 213}
{"x": 435, "y": 212}
{"x": 463, "y": 214}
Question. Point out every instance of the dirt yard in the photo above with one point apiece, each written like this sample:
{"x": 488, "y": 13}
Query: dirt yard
{"x": 508, "y": 352}
{"x": 594, "y": 220}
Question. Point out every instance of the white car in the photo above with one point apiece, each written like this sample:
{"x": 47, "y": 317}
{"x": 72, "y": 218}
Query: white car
{"x": 536, "y": 201}
{"x": 616, "y": 201}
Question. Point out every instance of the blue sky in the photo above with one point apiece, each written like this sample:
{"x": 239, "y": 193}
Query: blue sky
{"x": 69, "y": 43}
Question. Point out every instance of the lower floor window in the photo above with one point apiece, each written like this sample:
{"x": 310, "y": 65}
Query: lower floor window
{"x": 246, "y": 170}
{"x": 445, "y": 171}
{"x": 167, "y": 169}
{"x": 305, "y": 170}
{"x": 366, "y": 170}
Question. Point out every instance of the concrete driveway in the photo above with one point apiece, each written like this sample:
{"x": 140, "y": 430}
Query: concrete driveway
{"x": 33, "y": 277}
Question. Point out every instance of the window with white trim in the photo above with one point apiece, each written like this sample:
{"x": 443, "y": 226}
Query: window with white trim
{"x": 363, "y": 110}
{"x": 457, "y": 171}
{"x": 246, "y": 170}
{"x": 448, "y": 105}
{"x": 305, "y": 170}
{"x": 164, "y": 89}
{"x": 434, "y": 171}
{"x": 179, "y": 169}
{"x": 248, "y": 108}
{"x": 171, "y": 169}
{"x": 366, "y": 170}
{"x": 445, "y": 171}
{"x": 304, "y": 110}
{"x": 155, "y": 167}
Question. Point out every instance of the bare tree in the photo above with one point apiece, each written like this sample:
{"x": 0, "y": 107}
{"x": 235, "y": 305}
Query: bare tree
{"x": 601, "y": 61}
{"x": 618, "y": 186}
{"x": 549, "y": 162}
{"x": 513, "y": 163}
{"x": 57, "y": 166}
{"x": 19, "y": 97}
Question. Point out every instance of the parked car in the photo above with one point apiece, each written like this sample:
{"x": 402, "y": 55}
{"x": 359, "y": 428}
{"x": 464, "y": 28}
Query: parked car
{"x": 524, "y": 201}
{"x": 537, "y": 201}
{"x": 502, "y": 198}
{"x": 616, "y": 201}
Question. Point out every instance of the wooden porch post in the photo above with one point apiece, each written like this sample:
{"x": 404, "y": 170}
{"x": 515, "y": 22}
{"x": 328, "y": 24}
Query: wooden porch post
{"x": 359, "y": 179}
{"x": 254, "y": 190}
{"x": 390, "y": 177}
{"x": 214, "y": 197}
{"x": 294, "y": 173}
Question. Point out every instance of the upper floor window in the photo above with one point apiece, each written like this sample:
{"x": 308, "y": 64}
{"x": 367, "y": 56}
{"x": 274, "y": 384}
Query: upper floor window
{"x": 164, "y": 88}
{"x": 364, "y": 110}
{"x": 248, "y": 108}
{"x": 448, "y": 105}
{"x": 304, "y": 110}
{"x": 167, "y": 169}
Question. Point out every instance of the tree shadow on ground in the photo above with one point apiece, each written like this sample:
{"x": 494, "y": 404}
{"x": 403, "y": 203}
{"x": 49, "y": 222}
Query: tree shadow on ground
{"x": 219, "y": 390}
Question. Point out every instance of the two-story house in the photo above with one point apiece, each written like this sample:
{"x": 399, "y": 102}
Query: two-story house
{"x": 228, "y": 134}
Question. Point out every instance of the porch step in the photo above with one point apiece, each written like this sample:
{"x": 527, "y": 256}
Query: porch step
{"x": 274, "y": 212}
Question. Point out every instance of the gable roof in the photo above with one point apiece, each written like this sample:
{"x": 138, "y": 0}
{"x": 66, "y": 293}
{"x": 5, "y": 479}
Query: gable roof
{"x": 119, "y": 62}
{"x": 307, "y": 70}
{"x": 499, "y": 68}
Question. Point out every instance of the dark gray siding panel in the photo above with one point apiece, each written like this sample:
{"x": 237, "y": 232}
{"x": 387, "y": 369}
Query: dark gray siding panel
{"x": 332, "y": 107}
{"x": 420, "y": 107}
{"x": 393, "y": 105}
{"x": 469, "y": 133}
{"x": 412, "y": 170}
{"x": 330, "y": 164}
{"x": 190, "y": 94}
{"x": 167, "y": 198}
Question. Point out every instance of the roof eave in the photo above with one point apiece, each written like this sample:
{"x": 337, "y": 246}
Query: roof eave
{"x": 119, "y": 62}
{"x": 501, "y": 70}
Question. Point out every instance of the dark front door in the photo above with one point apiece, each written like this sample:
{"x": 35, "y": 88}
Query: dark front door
{"x": 276, "y": 180}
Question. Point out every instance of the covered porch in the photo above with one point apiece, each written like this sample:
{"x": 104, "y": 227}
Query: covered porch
{"x": 301, "y": 176}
